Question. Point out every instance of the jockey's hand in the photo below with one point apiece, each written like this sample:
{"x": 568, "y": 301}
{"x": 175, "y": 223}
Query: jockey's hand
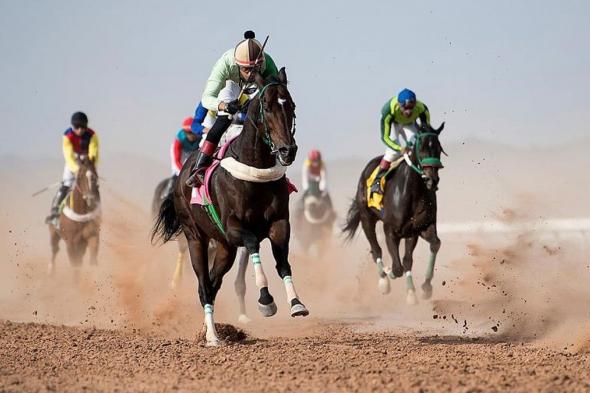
{"x": 232, "y": 107}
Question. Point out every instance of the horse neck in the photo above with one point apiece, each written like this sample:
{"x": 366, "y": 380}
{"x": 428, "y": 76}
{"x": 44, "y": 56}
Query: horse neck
{"x": 249, "y": 148}
{"x": 77, "y": 202}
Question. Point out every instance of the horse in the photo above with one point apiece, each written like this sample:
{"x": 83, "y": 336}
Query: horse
{"x": 314, "y": 219}
{"x": 248, "y": 211}
{"x": 79, "y": 220}
{"x": 409, "y": 211}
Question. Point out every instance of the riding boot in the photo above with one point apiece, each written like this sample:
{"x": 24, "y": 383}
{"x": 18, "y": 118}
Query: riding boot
{"x": 383, "y": 168}
{"x": 57, "y": 200}
{"x": 204, "y": 160}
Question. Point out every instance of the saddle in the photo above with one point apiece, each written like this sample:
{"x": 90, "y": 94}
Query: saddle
{"x": 374, "y": 199}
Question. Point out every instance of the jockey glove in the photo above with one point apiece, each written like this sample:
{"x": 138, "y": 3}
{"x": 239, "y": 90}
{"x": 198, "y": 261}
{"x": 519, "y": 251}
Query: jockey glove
{"x": 232, "y": 107}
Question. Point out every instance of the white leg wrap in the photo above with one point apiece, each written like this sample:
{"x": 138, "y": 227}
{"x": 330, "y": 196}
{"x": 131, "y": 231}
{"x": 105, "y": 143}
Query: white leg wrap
{"x": 289, "y": 288}
{"x": 261, "y": 280}
{"x": 211, "y": 333}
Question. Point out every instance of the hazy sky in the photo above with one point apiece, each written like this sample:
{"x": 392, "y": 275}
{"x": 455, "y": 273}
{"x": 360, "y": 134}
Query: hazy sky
{"x": 516, "y": 71}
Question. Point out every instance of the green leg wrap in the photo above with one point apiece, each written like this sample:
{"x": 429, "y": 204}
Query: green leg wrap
{"x": 430, "y": 269}
{"x": 410, "y": 281}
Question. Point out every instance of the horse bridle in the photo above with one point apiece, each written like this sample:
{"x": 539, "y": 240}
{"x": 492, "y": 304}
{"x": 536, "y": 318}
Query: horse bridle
{"x": 262, "y": 118}
{"x": 427, "y": 161}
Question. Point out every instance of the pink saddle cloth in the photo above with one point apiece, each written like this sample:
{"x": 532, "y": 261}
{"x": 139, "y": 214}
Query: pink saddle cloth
{"x": 200, "y": 195}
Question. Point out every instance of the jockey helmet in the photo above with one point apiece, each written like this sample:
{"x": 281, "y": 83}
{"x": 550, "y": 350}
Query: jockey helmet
{"x": 248, "y": 51}
{"x": 405, "y": 97}
{"x": 187, "y": 123}
{"x": 79, "y": 119}
{"x": 314, "y": 155}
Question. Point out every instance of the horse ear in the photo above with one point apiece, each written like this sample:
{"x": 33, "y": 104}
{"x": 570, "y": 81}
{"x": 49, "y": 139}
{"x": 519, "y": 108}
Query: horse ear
{"x": 440, "y": 128}
{"x": 283, "y": 76}
{"x": 259, "y": 80}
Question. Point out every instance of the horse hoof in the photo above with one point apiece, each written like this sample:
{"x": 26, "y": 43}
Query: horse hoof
{"x": 243, "y": 319}
{"x": 299, "y": 310}
{"x": 426, "y": 291}
{"x": 267, "y": 310}
{"x": 411, "y": 298}
{"x": 213, "y": 343}
{"x": 384, "y": 286}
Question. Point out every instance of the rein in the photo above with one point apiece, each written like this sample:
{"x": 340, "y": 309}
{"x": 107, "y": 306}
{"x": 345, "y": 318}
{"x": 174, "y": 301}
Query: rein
{"x": 262, "y": 118}
{"x": 425, "y": 161}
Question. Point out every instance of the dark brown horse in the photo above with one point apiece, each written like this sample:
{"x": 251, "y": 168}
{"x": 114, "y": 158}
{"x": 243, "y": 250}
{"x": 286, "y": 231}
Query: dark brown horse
{"x": 409, "y": 211}
{"x": 249, "y": 211}
{"x": 79, "y": 221}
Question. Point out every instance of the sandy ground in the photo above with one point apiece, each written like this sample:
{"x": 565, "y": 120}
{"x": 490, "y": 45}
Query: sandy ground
{"x": 509, "y": 313}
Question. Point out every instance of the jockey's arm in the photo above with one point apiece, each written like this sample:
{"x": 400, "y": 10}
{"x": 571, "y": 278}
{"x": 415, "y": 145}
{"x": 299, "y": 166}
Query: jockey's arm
{"x": 216, "y": 82}
{"x": 93, "y": 149}
{"x": 424, "y": 116}
{"x": 176, "y": 156}
{"x": 386, "y": 120}
{"x": 323, "y": 180}
{"x": 69, "y": 156}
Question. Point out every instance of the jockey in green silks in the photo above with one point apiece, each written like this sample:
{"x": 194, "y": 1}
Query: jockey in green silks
{"x": 398, "y": 127}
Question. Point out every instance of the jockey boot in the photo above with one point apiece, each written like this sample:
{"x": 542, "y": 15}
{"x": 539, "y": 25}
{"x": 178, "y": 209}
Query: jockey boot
{"x": 383, "y": 168}
{"x": 204, "y": 160}
{"x": 57, "y": 200}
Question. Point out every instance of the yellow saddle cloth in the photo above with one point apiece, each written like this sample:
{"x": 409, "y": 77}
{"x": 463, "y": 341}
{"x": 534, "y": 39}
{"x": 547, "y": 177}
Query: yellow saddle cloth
{"x": 375, "y": 199}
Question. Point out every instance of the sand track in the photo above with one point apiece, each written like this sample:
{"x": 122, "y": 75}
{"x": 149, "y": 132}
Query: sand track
{"x": 38, "y": 357}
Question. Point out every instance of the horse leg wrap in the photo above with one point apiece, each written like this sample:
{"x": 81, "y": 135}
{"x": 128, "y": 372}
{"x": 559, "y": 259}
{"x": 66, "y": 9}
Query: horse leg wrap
{"x": 410, "y": 281}
{"x": 261, "y": 281}
{"x": 430, "y": 268}
{"x": 210, "y": 333}
{"x": 290, "y": 289}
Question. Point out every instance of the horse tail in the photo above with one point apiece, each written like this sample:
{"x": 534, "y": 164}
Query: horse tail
{"x": 353, "y": 219}
{"x": 167, "y": 225}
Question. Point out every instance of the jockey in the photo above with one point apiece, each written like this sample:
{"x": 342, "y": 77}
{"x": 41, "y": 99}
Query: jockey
{"x": 78, "y": 140}
{"x": 235, "y": 65}
{"x": 314, "y": 171}
{"x": 187, "y": 141}
{"x": 401, "y": 112}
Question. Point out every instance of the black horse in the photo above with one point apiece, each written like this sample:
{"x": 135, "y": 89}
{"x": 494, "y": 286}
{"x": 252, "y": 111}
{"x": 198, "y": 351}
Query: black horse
{"x": 409, "y": 211}
{"x": 248, "y": 211}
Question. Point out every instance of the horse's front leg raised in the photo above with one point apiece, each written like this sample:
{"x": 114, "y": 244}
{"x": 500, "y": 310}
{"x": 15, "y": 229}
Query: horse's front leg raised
{"x": 431, "y": 237}
{"x": 240, "y": 284}
{"x": 407, "y": 264}
{"x": 236, "y": 235}
{"x": 279, "y": 238}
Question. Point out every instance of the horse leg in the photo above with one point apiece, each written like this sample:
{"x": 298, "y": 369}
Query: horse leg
{"x": 407, "y": 264}
{"x": 266, "y": 303}
{"x": 224, "y": 260}
{"x": 279, "y": 238}
{"x": 431, "y": 237}
{"x": 368, "y": 222}
{"x": 198, "y": 253}
{"x": 393, "y": 246}
{"x": 240, "y": 284}
{"x": 93, "y": 243}
{"x": 54, "y": 241}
